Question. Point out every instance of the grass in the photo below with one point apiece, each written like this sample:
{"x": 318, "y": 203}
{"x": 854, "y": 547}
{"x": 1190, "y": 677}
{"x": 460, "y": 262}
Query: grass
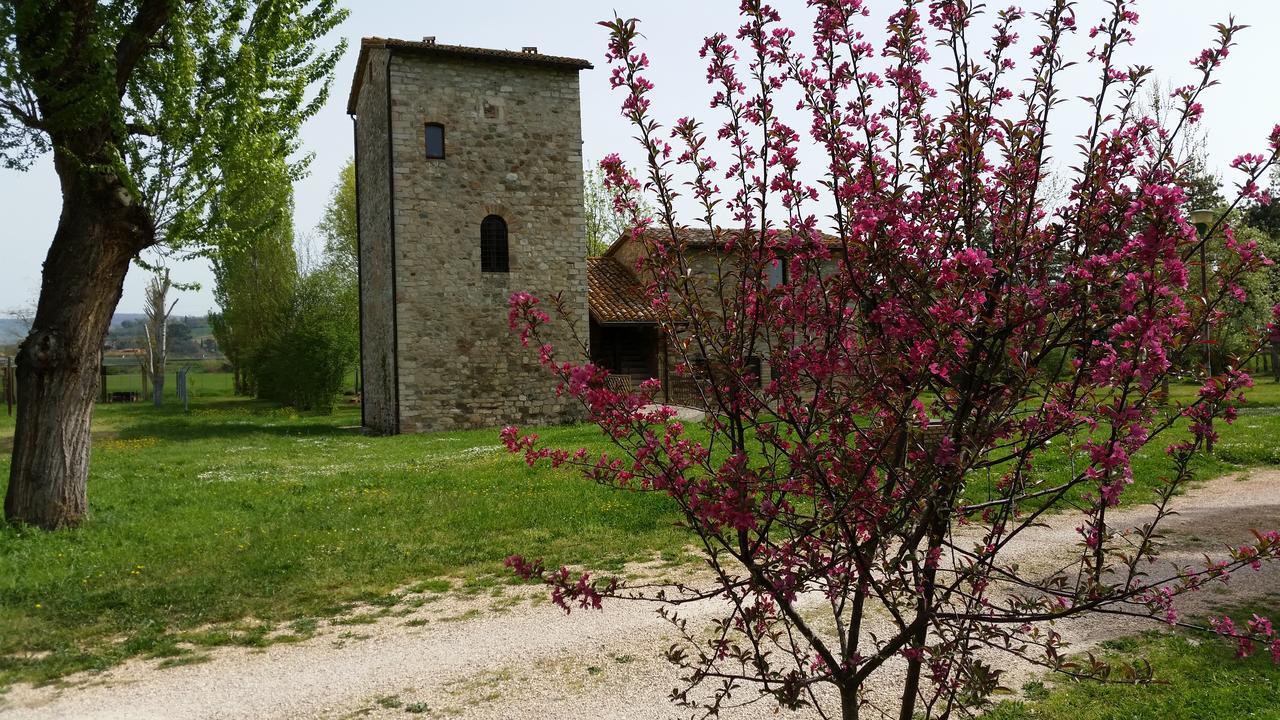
{"x": 1249, "y": 441}
{"x": 1196, "y": 679}
{"x": 244, "y": 517}
{"x": 199, "y": 384}
{"x": 240, "y": 523}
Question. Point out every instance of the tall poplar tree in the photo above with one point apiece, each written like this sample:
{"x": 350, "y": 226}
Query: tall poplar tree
{"x": 338, "y": 225}
{"x": 144, "y": 105}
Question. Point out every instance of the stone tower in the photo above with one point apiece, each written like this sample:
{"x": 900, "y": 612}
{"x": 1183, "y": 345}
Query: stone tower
{"x": 469, "y": 188}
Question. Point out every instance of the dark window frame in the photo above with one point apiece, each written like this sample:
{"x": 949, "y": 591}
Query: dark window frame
{"x": 427, "y": 141}
{"x": 495, "y": 254}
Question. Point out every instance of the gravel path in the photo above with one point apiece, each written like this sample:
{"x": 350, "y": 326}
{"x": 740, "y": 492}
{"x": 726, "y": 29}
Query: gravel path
{"x": 461, "y": 658}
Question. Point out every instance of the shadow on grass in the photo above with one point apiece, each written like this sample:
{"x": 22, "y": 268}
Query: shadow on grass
{"x": 204, "y": 431}
{"x": 229, "y": 418}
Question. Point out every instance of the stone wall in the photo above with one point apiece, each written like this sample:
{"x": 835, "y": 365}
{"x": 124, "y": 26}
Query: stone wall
{"x": 513, "y": 147}
{"x": 377, "y": 276}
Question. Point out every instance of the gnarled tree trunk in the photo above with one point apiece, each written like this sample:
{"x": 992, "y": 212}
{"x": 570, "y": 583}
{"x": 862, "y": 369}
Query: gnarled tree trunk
{"x": 101, "y": 229}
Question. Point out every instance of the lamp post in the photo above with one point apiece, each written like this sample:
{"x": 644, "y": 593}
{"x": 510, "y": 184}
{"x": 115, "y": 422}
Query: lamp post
{"x": 1203, "y": 220}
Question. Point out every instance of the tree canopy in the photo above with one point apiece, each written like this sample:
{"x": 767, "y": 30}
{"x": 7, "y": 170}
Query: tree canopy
{"x": 169, "y": 97}
{"x": 164, "y": 118}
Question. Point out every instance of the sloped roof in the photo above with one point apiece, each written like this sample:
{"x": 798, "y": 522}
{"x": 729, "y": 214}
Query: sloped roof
{"x": 614, "y": 295}
{"x": 454, "y": 51}
{"x": 701, "y": 237}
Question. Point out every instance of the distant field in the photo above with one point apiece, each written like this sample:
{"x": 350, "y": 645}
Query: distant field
{"x": 199, "y": 384}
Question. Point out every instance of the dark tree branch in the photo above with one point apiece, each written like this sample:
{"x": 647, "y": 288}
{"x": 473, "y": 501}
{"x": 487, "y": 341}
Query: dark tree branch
{"x": 27, "y": 117}
{"x": 137, "y": 39}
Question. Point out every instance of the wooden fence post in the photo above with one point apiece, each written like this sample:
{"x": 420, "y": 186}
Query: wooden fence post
{"x": 6, "y": 380}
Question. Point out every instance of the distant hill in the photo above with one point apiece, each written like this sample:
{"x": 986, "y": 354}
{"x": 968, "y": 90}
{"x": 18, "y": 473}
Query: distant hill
{"x": 118, "y": 319}
{"x": 12, "y": 331}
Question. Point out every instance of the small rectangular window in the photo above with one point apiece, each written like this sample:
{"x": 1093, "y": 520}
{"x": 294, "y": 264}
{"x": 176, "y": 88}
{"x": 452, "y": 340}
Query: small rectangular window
{"x": 435, "y": 141}
{"x": 777, "y": 272}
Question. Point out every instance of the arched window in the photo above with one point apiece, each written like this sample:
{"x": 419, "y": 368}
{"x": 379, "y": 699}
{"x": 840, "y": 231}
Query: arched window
{"x": 435, "y": 141}
{"x": 493, "y": 245}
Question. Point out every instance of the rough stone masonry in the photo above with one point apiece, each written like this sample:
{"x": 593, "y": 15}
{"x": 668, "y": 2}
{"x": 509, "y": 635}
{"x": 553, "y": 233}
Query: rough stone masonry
{"x": 436, "y": 352}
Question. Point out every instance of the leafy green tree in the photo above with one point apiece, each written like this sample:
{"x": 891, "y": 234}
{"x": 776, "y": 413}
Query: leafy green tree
{"x": 144, "y": 105}
{"x": 307, "y": 362}
{"x": 255, "y": 268}
{"x": 1266, "y": 220}
{"x": 338, "y": 225}
{"x": 1203, "y": 188}
{"x": 181, "y": 340}
{"x": 292, "y": 335}
{"x": 604, "y": 223}
{"x": 1234, "y": 335}
{"x": 341, "y": 259}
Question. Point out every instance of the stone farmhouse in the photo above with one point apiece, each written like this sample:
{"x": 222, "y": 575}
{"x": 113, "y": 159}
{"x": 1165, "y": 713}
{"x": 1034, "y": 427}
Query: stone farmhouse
{"x": 469, "y": 188}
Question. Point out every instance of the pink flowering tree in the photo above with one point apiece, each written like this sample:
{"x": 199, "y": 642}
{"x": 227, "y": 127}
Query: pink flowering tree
{"x": 943, "y": 317}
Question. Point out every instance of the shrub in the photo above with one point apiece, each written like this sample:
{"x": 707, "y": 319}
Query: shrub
{"x": 305, "y": 364}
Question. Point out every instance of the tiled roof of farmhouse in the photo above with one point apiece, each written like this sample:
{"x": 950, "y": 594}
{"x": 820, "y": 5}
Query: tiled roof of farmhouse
{"x": 699, "y": 237}
{"x": 430, "y": 47}
{"x": 614, "y": 295}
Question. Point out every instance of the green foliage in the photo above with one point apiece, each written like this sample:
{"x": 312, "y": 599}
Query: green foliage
{"x": 169, "y": 99}
{"x": 303, "y": 358}
{"x": 1235, "y": 336}
{"x": 256, "y": 275}
{"x": 293, "y": 337}
{"x": 1258, "y": 224}
{"x": 306, "y": 364}
{"x": 1266, "y": 218}
{"x": 1203, "y": 188}
{"x": 338, "y": 225}
{"x": 604, "y": 224}
{"x": 181, "y": 340}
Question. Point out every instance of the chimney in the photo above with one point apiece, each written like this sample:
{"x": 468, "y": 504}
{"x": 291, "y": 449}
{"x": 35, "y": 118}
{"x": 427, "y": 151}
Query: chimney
{"x": 429, "y": 40}
{"x": 530, "y": 49}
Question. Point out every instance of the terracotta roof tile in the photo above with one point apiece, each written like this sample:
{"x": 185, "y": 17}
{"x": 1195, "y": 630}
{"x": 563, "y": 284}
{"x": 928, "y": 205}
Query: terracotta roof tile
{"x": 700, "y": 237}
{"x": 454, "y": 51}
{"x": 614, "y": 295}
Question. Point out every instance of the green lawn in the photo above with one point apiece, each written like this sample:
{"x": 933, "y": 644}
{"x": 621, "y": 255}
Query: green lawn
{"x": 1253, "y": 439}
{"x": 1195, "y": 679}
{"x": 247, "y": 517}
{"x": 240, "y": 510}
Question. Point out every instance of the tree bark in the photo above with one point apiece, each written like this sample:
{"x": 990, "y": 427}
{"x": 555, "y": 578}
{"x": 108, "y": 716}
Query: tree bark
{"x": 850, "y": 708}
{"x": 99, "y": 232}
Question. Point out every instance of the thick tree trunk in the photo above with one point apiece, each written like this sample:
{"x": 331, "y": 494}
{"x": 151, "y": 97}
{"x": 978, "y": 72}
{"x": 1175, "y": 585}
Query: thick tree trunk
{"x": 99, "y": 232}
{"x": 850, "y": 708}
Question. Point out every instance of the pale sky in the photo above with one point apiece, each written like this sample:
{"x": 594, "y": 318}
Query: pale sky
{"x": 1240, "y": 112}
